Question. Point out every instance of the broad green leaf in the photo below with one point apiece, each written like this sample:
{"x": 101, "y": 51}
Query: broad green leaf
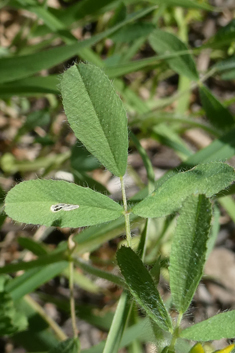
{"x": 223, "y": 37}
{"x": 216, "y": 113}
{"x": 188, "y": 250}
{"x": 193, "y": 4}
{"x": 142, "y": 287}
{"x": 221, "y": 149}
{"x": 120, "y": 318}
{"x": 197, "y": 349}
{"x": 96, "y": 115}
{"x": 71, "y": 345}
{"x": 215, "y": 328}
{"x": 14, "y": 68}
{"x": 206, "y": 179}
{"x": 59, "y": 203}
{"x": 164, "y": 42}
{"x": 11, "y": 320}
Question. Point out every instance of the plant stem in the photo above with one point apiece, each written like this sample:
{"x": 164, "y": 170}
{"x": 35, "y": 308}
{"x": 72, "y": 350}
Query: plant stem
{"x": 72, "y": 302}
{"x": 176, "y": 332}
{"x": 53, "y": 325}
{"x": 126, "y": 213}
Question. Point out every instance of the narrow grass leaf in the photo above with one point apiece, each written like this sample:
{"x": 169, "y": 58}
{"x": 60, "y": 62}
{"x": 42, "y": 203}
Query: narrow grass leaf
{"x": 142, "y": 287}
{"x": 38, "y": 333}
{"x": 71, "y": 345}
{"x": 31, "y": 245}
{"x": 132, "y": 32}
{"x": 14, "y": 68}
{"x": 33, "y": 279}
{"x": 216, "y": 113}
{"x": 191, "y": 4}
{"x": 55, "y": 256}
{"x": 188, "y": 250}
{"x": 206, "y": 179}
{"x": 217, "y": 327}
{"x": 164, "y": 42}
{"x": 30, "y": 86}
{"x": 146, "y": 160}
{"x": 96, "y": 115}
{"x": 115, "y": 334}
{"x": 59, "y": 203}
{"x": 99, "y": 273}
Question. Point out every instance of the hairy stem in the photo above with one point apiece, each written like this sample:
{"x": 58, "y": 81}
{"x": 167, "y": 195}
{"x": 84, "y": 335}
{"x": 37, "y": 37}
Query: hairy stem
{"x": 72, "y": 302}
{"x": 71, "y": 247}
{"x": 176, "y": 332}
{"x": 126, "y": 213}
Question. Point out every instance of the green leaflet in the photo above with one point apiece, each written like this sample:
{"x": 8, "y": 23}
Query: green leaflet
{"x": 96, "y": 115}
{"x": 216, "y": 113}
{"x": 59, "y": 203}
{"x": 215, "y": 328}
{"x": 11, "y": 319}
{"x": 188, "y": 250}
{"x": 164, "y": 42}
{"x": 142, "y": 287}
{"x": 206, "y": 179}
{"x": 71, "y": 345}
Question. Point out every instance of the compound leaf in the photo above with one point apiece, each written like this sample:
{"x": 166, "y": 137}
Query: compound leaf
{"x": 142, "y": 287}
{"x": 96, "y": 115}
{"x": 208, "y": 179}
{"x": 59, "y": 203}
{"x": 188, "y": 251}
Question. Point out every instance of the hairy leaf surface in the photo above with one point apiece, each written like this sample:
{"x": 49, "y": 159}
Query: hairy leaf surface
{"x": 188, "y": 250}
{"x": 206, "y": 179}
{"x": 96, "y": 115}
{"x": 59, "y": 203}
{"x": 142, "y": 287}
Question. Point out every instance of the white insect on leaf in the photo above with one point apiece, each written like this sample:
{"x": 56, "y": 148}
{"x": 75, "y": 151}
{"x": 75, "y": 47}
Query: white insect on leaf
{"x": 63, "y": 206}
